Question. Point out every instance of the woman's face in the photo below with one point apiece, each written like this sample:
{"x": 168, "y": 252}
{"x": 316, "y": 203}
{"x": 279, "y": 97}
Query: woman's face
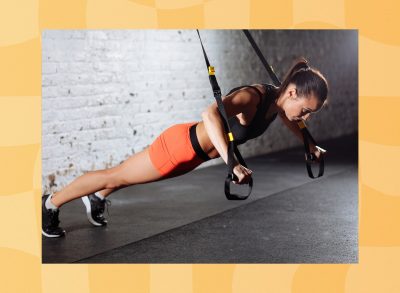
{"x": 299, "y": 108}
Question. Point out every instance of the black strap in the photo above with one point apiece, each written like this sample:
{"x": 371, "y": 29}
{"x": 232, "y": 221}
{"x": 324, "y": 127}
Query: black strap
{"x": 268, "y": 67}
{"x": 232, "y": 148}
{"x": 310, "y": 158}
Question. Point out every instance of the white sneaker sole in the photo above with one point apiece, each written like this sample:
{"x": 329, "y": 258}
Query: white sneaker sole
{"x": 86, "y": 202}
{"x": 52, "y": 236}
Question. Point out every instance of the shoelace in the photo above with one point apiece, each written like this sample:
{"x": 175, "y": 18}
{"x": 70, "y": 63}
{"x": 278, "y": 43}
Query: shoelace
{"x": 106, "y": 204}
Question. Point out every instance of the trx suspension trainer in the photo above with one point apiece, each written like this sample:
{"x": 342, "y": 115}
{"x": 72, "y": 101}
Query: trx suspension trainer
{"x": 310, "y": 158}
{"x": 232, "y": 147}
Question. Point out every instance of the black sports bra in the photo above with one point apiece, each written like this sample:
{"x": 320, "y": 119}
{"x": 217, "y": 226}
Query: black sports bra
{"x": 259, "y": 124}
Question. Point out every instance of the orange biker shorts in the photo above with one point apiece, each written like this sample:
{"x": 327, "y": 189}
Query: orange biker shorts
{"x": 172, "y": 152}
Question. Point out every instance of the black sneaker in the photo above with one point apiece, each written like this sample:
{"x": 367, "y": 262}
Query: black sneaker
{"x": 95, "y": 209}
{"x": 50, "y": 221}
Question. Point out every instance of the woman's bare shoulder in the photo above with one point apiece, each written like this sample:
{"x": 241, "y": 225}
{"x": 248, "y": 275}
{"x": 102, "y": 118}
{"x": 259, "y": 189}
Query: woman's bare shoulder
{"x": 251, "y": 91}
{"x": 260, "y": 87}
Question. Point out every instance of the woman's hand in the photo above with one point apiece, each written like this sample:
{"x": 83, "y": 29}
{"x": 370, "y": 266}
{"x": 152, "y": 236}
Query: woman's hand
{"x": 317, "y": 152}
{"x": 242, "y": 173}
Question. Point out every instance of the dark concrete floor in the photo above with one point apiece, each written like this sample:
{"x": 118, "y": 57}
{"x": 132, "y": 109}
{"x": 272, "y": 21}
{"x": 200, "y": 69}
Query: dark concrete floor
{"x": 289, "y": 217}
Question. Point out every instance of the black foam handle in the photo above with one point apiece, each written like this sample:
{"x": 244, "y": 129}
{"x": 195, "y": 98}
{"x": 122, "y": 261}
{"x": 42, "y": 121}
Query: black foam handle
{"x": 313, "y": 160}
{"x": 229, "y": 195}
{"x": 310, "y": 158}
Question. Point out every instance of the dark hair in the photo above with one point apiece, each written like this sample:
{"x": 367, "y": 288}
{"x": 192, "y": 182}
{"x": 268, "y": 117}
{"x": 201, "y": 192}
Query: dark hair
{"x": 307, "y": 80}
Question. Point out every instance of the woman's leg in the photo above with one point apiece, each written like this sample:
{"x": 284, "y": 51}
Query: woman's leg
{"x": 136, "y": 169}
{"x": 107, "y": 191}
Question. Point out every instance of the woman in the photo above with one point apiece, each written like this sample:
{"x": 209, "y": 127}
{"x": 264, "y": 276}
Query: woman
{"x": 183, "y": 147}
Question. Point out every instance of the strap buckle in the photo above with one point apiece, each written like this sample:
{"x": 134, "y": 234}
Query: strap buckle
{"x": 301, "y": 124}
{"x": 217, "y": 92}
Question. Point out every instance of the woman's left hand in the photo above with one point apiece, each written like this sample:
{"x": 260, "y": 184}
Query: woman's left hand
{"x": 317, "y": 152}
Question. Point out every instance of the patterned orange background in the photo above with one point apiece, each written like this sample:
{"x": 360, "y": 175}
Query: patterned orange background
{"x": 21, "y": 23}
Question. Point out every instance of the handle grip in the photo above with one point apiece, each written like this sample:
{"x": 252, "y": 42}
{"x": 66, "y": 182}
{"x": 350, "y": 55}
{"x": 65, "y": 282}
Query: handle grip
{"x": 229, "y": 195}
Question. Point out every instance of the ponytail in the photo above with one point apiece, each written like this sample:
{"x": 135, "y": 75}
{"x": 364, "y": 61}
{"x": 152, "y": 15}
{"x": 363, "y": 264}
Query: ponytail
{"x": 307, "y": 80}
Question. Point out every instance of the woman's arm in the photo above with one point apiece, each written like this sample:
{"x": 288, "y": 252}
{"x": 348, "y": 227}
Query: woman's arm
{"x": 214, "y": 127}
{"x": 242, "y": 101}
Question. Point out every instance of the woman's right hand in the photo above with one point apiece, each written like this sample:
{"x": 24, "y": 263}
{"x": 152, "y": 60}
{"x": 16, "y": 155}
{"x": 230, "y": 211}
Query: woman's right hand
{"x": 242, "y": 173}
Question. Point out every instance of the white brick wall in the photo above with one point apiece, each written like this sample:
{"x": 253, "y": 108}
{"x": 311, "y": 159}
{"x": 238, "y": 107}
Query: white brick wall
{"x": 108, "y": 94}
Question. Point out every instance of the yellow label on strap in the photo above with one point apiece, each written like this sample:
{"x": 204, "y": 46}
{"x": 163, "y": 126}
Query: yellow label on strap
{"x": 230, "y": 135}
{"x": 211, "y": 70}
{"x": 301, "y": 124}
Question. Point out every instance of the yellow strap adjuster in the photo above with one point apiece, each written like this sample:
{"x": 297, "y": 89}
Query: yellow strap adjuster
{"x": 230, "y": 135}
{"x": 301, "y": 124}
{"x": 211, "y": 70}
